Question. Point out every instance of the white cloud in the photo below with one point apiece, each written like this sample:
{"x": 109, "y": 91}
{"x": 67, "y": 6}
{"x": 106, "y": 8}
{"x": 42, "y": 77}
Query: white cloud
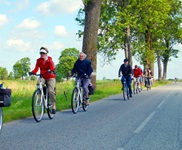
{"x": 19, "y": 45}
{"x": 29, "y": 24}
{"x": 56, "y": 46}
{"x": 3, "y": 20}
{"x": 53, "y": 7}
{"x": 21, "y": 5}
{"x": 60, "y": 31}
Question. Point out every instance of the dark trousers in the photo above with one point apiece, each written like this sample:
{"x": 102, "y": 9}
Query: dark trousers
{"x": 128, "y": 82}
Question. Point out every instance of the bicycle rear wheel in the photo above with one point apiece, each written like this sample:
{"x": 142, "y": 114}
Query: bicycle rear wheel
{"x": 75, "y": 101}
{"x": 1, "y": 119}
{"x": 49, "y": 109}
{"x": 84, "y": 106}
{"x": 37, "y": 106}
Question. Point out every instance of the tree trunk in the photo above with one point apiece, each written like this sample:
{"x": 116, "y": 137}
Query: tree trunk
{"x": 92, "y": 15}
{"x": 164, "y": 70}
{"x": 128, "y": 44}
{"x": 159, "y": 67}
{"x": 150, "y": 53}
{"x": 128, "y": 51}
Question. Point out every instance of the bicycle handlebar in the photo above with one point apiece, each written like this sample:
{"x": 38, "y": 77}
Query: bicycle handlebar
{"x": 30, "y": 73}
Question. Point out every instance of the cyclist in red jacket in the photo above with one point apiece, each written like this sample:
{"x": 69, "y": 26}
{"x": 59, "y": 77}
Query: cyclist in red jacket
{"x": 47, "y": 67}
{"x": 137, "y": 73}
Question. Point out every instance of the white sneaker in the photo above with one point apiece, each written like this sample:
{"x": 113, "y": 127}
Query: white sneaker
{"x": 87, "y": 102}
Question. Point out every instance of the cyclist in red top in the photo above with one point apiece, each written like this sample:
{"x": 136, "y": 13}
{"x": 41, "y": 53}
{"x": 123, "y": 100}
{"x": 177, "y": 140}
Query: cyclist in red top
{"x": 137, "y": 73}
{"x": 47, "y": 67}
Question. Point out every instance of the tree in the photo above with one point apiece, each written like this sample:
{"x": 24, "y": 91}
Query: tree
{"x": 17, "y": 70}
{"x": 10, "y": 76}
{"x": 171, "y": 34}
{"x": 3, "y": 73}
{"x": 66, "y": 62}
{"x": 151, "y": 17}
{"x": 92, "y": 15}
{"x": 21, "y": 68}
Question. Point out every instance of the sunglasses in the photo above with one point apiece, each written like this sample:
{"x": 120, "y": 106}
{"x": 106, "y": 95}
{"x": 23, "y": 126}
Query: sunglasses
{"x": 42, "y": 53}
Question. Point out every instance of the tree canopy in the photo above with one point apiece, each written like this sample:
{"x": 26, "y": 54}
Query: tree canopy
{"x": 66, "y": 62}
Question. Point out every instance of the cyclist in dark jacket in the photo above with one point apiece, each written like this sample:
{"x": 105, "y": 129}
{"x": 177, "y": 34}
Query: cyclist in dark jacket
{"x": 126, "y": 70}
{"x": 83, "y": 69}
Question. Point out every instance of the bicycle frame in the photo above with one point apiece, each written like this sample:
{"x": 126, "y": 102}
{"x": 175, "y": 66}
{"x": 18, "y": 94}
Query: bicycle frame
{"x": 40, "y": 87}
{"x": 80, "y": 90}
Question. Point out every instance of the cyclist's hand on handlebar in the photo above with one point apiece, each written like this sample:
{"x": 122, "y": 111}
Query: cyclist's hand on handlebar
{"x": 72, "y": 75}
{"x": 31, "y": 73}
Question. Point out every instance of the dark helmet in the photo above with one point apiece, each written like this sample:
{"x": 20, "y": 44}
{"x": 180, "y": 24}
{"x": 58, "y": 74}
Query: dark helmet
{"x": 125, "y": 60}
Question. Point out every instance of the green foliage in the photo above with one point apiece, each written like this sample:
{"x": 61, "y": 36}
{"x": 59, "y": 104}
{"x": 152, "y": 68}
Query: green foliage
{"x": 66, "y": 62}
{"x": 3, "y": 73}
{"x": 155, "y": 27}
{"x": 11, "y": 76}
{"x": 21, "y": 68}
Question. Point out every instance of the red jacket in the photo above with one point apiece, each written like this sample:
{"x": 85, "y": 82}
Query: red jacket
{"x": 45, "y": 65}
{"x": 137, "y": 72}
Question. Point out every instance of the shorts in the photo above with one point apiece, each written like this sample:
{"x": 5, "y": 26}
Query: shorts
{"x": 141, "y": 79}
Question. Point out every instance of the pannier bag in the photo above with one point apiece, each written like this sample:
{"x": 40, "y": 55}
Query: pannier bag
{"x": 5, "y": 97}
{"x": 91, "y": 89}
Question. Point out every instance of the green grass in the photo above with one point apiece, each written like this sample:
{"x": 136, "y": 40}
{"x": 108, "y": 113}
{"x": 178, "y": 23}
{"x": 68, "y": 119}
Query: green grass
{"x": 22, "y": 93}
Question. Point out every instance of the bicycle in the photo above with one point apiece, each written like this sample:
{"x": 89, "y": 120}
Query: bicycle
{"x": 125, "y": 89}
{"x": 41, "y": 101}
{"x": 136, "y": 86}
{"x": 78, "y": 97}
{"x": 148, "y": 83}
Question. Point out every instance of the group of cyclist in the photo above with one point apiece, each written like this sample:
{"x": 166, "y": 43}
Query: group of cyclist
{"x": 135, "y": 74}
{"x": 82, "y": 68}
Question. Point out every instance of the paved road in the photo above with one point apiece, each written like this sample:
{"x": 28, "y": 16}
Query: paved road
{"x": 149, "y": 121}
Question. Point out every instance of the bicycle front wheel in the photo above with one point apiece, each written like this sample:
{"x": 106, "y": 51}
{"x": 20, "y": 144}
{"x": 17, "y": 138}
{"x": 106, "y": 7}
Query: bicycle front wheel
{"x": 125, "y": 95}
{"x": 37, "y": 106}
{"x": 1, "y": 119}
{"x": 49, "y": 109}
{"x": 75, "y": 101}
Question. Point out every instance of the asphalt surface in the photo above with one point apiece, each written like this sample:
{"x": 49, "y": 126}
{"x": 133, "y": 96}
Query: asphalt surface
{"x": 151, "y": 120}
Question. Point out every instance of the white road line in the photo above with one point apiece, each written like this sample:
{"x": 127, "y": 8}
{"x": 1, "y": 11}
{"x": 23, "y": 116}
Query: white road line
{"x": 145, "y": 122}
{"x": 142, "y": 125}
{"x": 161, "y": 103}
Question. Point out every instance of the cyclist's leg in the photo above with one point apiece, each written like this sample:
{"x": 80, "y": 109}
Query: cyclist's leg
{"x": 138, "y": 82}
{"x": 128, "y": 82}
{"x": 150, "y": 81}
{"x": 134, "y": 80}
{"x": 86, "y": 83}
{"x": 141, "y": 82}
{"x": 51, "y": 83}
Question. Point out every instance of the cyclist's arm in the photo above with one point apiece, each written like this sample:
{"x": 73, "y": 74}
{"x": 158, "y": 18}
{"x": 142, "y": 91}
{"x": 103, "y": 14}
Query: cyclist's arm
{"x": 51, "y": 65}
{"x": 119, "y": 72}
{"x": 89, "y": 70}
{"x": 130, "y": 71}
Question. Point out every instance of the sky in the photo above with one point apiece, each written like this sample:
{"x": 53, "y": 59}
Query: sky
{"x": 26, "y": 25}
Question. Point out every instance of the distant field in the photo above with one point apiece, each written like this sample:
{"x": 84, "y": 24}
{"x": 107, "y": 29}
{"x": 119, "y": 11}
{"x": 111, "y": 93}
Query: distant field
{"x": 22, "y": 93}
